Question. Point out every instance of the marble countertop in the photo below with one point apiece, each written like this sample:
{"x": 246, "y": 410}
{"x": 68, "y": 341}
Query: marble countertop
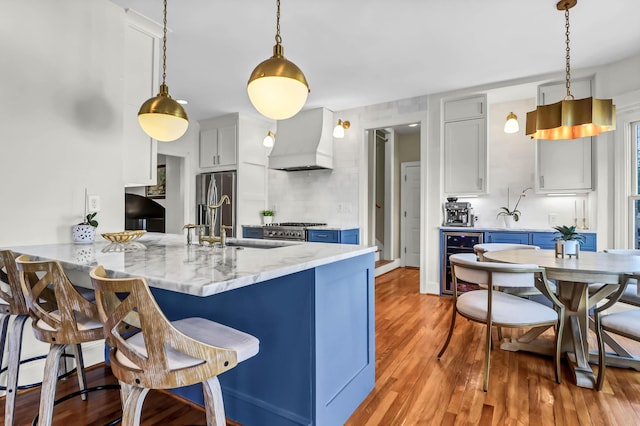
{"x": 168, "y": 263}
{"x": 483, "y": 229}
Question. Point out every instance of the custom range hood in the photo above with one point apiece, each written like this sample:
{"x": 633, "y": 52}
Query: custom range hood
{"x": 304, "y": 142}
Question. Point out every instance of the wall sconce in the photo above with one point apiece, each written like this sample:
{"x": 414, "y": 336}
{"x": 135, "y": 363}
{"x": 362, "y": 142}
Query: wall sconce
{"x": 338, "y": 131}
{"x": 269, "y": 140}
{"x": 511, "y": 126}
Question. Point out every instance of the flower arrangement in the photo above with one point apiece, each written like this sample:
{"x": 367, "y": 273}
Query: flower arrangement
{"x": 267, "y": 213}
{"x": 515, "y": 213}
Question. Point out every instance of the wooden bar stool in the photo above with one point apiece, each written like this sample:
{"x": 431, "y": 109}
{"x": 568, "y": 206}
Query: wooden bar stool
{"x": 149, "y": 352}
{"x": 65, "y": 319}
{"x": 12, "y": 304}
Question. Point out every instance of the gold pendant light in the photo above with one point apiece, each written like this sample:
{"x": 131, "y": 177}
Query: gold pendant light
{"x": 569, "y": 118}
{"x": 277, "y": 88}
{"x": 161, "y": 117}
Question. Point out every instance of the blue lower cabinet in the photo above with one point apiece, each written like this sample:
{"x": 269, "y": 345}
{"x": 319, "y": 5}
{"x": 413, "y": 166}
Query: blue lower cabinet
{"x": 544, "y": 240}
{"x": 507, "y": 237}
{"x": 345, "y": 236}
{"x": 252, "y": 232}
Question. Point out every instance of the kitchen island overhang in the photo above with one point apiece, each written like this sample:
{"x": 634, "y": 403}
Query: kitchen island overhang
{"x": 310, "y": 304}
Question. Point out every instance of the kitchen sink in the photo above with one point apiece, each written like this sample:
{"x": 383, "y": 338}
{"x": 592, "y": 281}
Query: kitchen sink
{"x": 257, "y": 243}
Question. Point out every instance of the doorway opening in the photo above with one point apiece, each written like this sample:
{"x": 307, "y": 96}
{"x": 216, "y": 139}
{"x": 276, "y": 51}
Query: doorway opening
{"x": 388, "y": 149}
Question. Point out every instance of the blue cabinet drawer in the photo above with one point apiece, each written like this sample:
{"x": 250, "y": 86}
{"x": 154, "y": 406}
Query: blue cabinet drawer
{"x": 544, "y": 240}
{"x": 507, "y": 237}
{"x": 589, "y": 243}
{"x": 350, "y": 236}
{"x": 252, "y": 232}
{"x": 323, "y": 236}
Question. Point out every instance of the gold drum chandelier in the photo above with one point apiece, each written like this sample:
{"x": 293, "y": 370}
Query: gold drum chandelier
{"x": 161, "y": 117}
{"x": 570, "y": 118}
{"x": 277, "y": 88}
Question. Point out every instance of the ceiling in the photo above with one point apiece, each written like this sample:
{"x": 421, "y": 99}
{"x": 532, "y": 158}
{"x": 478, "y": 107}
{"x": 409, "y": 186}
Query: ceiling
{"x": 362, "y": 52}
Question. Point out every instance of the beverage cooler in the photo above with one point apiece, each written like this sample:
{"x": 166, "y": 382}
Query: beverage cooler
{"x": 452, "y": 243}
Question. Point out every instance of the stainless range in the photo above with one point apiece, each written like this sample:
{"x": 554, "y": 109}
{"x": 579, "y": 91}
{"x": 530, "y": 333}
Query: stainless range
{"x": 296, "y": 231}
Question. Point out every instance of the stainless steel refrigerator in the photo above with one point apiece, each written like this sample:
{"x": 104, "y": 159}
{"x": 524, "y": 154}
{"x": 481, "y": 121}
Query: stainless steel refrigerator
{"x": 210, "y": 187}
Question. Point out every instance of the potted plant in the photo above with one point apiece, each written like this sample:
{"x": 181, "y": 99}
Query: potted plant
{"x": 267, "y": 216}
{"x": 512, "y": 215}
{"x": 569, "y": 240}
{"x": 85, "y": 232}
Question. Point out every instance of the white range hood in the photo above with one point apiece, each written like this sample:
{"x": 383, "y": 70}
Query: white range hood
{"x": 304, "y": 142}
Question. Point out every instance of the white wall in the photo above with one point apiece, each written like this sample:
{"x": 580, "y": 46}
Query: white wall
{"x": 62, "y": 106}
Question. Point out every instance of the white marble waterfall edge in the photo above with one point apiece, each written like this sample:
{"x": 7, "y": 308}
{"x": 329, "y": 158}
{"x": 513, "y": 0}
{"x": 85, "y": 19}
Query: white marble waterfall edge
{"x": 167, "y": 262}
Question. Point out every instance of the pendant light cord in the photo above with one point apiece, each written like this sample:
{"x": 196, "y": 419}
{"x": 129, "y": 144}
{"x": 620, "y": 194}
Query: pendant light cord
{"x": 568, "y": 57}
{"x": 278, "y": 38}
{"x": 164, "y": 45}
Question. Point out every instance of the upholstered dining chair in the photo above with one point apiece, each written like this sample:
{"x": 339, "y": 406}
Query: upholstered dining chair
{"x": 61, "y": 317}
{"x": 495, "y": 308}
{"x": 623, "y": 323}
{"x": 147, "y": 351}
{"x": 630, "y": 295}
{"x": 481, "y": 249}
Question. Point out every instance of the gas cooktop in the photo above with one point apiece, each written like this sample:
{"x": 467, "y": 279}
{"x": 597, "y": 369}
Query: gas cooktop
{"x": 296, "y": 224}
{"x": 296, "y": 231}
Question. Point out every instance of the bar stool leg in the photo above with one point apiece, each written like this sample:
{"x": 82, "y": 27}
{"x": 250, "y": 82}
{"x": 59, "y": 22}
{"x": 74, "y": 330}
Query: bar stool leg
{"x": 3, "y": 335}
{"x": 132, "y": 400}
{"x": 213, "y": 402}
{"x": 82, "y": 379}
{"x": 49, "y": 381}
{"x": 15, "y": 348}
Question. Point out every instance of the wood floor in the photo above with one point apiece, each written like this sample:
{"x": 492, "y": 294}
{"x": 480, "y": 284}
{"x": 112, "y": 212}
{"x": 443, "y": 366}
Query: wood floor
{"x": 412, "y": 386}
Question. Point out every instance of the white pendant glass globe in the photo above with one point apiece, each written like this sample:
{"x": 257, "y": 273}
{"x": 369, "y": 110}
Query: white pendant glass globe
{"x": 277, "y": 98}
{"x": 163, "y": 127}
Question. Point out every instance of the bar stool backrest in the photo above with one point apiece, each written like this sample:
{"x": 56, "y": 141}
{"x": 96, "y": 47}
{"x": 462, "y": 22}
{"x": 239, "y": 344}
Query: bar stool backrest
{"x": 11, "y": 292}
{"x": 60, "y": 314}
{"x": 125, "y": 303}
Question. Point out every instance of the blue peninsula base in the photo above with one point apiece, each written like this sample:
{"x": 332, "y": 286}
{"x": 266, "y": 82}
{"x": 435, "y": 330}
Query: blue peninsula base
{"x": 317, "y": 343}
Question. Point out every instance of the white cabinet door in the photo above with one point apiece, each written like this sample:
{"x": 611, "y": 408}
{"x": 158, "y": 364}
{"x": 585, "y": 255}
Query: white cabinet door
{"x": 564, "y": 165}
{"x": 465, "y": 157}
{"x": 218, "y": 147}
{"x": 140, "y": 79}
{"x": 227, "y": 145}
{"x": 208, "y": 147}
{"x": 465, "y": 109}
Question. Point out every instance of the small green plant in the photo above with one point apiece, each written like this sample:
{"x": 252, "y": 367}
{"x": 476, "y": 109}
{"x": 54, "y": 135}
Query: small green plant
{"x": 267, "y": 213}
{"x": 90, "y": 220}
{"x": 568, "y": 233}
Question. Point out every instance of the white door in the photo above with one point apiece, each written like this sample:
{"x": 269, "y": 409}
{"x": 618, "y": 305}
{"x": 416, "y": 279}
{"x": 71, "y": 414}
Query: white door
{"x": 410, "y": 217}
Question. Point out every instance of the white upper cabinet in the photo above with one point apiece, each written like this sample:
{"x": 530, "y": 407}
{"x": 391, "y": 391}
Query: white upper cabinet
{"x": 465, "y": 146}
{"x": 218, "y": 145}
{"x": 141, "y": 82}
{"x": 564, "y": 165}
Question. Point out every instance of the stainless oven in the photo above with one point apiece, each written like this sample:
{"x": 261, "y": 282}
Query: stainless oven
{"x": 295, "y": 231}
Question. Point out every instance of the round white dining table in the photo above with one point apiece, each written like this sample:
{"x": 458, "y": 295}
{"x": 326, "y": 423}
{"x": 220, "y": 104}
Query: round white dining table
{"x": 573, "y": 276}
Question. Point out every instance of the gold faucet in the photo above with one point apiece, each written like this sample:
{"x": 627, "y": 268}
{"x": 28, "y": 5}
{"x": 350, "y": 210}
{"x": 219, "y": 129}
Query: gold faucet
{"x": 212, "y": 238}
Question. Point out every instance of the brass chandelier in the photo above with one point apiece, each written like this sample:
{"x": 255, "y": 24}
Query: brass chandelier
{"x": 570, "y": 118}
{"x": 161, "y": 117}
{"x": 277, "y": 88}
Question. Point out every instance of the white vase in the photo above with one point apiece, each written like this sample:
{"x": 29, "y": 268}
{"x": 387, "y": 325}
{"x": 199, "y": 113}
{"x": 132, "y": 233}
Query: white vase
{"x": 267, "y": 219}
{"x": 509, "y": 221}
{"x": 83, "y": 234}
{"x": 571, "y": 247}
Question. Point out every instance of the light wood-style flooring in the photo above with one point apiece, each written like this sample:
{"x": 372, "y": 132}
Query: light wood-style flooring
{"x": 412, "y": 386}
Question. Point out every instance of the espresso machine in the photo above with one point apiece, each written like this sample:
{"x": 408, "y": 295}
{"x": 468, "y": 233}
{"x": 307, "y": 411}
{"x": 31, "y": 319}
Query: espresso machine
{"x": 458, "y": 213}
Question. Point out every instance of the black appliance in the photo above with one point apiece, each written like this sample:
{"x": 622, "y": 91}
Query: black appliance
{"x": 453, "y": 243}
{"x": 210, "y": 187}
{"x": 143, "y": 213}
{"x": 296, "y": 231}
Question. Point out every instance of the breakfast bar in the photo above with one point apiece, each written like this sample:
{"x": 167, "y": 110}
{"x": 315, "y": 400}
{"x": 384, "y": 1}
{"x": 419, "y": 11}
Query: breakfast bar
{"x": 311, "y": 305}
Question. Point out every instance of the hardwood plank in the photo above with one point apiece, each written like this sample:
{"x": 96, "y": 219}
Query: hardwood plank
{"x": 412, "y": 386}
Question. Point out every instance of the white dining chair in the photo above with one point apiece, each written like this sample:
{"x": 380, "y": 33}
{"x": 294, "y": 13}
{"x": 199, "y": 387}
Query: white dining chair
{"x": 623, "y": 323}
{"x": 495, "y": 308}
{"x": 481, "y": 249}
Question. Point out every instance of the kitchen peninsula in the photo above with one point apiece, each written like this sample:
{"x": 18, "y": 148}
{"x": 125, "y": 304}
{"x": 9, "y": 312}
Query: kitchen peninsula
{"x": 310, "y": 304}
